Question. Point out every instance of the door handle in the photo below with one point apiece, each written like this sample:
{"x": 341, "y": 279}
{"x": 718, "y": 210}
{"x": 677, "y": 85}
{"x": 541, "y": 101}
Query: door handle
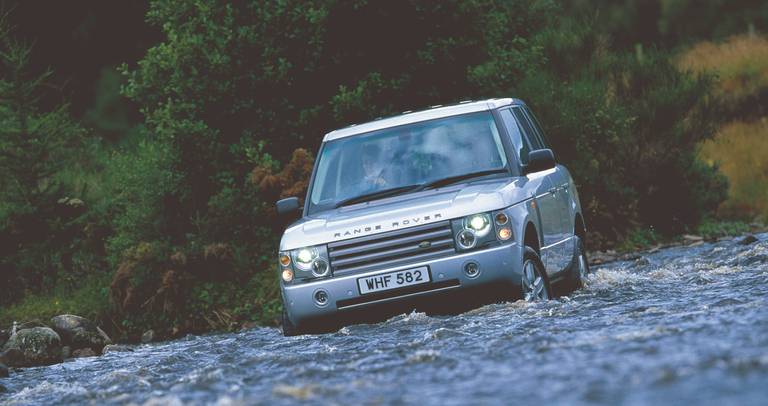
{"x": 553, "y": 190}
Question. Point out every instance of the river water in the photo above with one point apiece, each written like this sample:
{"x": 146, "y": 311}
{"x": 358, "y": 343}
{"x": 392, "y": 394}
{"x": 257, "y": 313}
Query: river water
{"x": 679, "y": 326}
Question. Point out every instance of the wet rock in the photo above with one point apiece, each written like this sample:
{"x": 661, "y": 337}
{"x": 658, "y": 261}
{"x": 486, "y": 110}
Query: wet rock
{"x": 38, "y": 345}
{"x": 148, "y": 336}
{"x": 83, "y": 352}
{"x": 78, "y": 332}
{"x": 692, "y": 238}
{"x": 12, "y": 356}
{"x": 248, "y": 325}
{"x": 602, "y": 257}
{"x": 630, "y": 257}
{"x": 4, "y": 335}
{"x": 655, "y": 249}
{"x": 4, "y": 372}
{"x": 117, "y": 348}
{"x": 642, "y": 261}
{"x": 30, "y": 324}
{"x": 750, "y": 239}
{"x": 104, "y": 335}
{"x": 66, "y": 352}
{"x": 2, "y": 389}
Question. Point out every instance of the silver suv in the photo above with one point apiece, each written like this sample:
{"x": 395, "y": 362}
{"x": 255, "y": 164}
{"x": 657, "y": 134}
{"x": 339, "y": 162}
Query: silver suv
{"x": 463, "y": 202}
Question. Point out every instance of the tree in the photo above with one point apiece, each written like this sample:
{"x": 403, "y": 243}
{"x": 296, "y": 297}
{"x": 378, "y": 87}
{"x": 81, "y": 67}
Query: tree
{"x": 34, "y": 146}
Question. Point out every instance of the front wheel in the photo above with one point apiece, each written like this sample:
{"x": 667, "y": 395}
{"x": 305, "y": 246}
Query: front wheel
{"x": 578, "y": 271}
{"x": 534, "y": 282}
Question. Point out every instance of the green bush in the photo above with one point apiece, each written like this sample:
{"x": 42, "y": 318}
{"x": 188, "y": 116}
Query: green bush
{"x": 185, "y": 205}
{"x": 626, "y": 125}
{"x": 236, "y": 84}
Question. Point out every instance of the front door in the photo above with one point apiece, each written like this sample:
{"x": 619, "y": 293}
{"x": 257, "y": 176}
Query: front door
{"x": 542, "y": 187}
{"x": 561, "y": 189}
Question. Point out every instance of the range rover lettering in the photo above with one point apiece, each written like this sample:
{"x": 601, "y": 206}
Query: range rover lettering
{"x": 465, "y": 202}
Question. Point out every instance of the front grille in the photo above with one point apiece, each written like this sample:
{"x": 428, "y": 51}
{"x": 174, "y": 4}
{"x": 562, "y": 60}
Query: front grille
{"x": 392, "y": 248}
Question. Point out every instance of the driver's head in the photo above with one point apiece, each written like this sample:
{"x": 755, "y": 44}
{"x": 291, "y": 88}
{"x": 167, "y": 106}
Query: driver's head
{"x": 370, "y": 159}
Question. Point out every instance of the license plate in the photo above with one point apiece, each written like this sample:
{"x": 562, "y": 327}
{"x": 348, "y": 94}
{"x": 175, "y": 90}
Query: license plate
{"x": 393, "y": 280}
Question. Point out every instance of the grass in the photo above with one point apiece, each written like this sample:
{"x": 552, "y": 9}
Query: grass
{"x": 740, "y": 148}
{"x": 741, "y": 151}
{"x": 88, "y": 299}
{"x": 741, "y": 64}
{"x": 710, "y": 228}
{"x": 640, "y": 239}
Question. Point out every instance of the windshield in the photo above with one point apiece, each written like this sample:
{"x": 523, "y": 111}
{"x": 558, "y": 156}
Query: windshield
{"x": 401, "y": 157}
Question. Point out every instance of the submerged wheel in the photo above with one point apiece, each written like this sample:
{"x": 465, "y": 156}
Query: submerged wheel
{"x": 289, "y": 329}
{"x": 534, "y": 283}
{"x": 582, "y": 263}
{"x": 578, "y": 271}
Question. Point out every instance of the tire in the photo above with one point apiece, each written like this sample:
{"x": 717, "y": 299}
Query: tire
{"x": 578, "y": 270}
{"x": 534, "y": 284}
{"x": 289, "y": 329}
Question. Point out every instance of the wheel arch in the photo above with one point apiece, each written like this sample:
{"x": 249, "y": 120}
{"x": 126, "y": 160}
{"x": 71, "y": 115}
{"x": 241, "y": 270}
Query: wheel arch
{"x": 531, "y": 237}
{"x": 580, "y": 230}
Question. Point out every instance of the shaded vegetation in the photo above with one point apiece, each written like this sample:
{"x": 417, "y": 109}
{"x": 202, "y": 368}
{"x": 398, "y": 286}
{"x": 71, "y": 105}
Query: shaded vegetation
{"x": 165, "y": 219}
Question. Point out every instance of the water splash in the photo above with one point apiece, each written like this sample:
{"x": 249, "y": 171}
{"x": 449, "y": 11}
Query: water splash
{"x": 682, "y": 325}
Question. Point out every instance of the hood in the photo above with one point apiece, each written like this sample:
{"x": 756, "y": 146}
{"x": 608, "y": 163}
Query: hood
{"x": 400, "y": 212}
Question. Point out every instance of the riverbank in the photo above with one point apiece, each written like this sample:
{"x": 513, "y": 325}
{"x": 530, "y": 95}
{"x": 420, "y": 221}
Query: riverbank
{"x": 644, "y": 241}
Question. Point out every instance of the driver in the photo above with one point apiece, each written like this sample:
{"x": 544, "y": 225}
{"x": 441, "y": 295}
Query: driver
{"x": 372, "y": 167}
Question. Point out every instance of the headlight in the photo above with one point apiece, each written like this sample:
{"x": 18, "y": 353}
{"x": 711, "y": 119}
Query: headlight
{"x": 479, "y": 223}
{"x": 466, "y": 239}
{"x": 304, "y": 257}
{"x": 306, "y": 263}
{"x": 478, "y": 230}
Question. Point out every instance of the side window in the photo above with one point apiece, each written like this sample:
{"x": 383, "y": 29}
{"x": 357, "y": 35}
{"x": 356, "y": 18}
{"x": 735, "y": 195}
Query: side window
{"x": 537, "y": 127}
{"x": 528, "y": 131}
{"x": 520, "y": 143}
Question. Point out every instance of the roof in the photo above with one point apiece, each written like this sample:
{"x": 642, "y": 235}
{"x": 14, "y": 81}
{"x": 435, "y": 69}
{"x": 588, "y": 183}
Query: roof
{"x": 423, "y": 115}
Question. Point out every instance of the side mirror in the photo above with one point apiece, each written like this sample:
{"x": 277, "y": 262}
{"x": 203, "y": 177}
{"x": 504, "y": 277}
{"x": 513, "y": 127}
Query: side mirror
{"x": 540, "y": 160}
{"x": 289, "y": 205}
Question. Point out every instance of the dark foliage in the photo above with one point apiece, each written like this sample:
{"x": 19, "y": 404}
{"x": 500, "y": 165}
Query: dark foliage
{"x": 234, "y": 94}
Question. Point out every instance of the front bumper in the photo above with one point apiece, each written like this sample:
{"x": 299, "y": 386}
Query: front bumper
{"x": 498, "y": 265}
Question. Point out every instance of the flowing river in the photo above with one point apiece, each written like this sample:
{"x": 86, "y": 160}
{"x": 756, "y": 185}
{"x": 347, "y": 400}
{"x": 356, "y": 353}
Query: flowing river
{"x": 683, "y": 325}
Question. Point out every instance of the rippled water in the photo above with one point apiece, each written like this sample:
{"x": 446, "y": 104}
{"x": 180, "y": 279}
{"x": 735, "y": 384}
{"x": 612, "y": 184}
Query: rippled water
{"x": 687, "y": 324}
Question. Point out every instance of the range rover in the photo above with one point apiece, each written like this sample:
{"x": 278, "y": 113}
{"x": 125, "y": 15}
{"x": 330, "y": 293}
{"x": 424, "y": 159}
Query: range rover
{"x": 413, "y": 209}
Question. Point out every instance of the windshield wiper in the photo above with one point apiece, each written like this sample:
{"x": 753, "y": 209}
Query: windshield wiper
{"x": 380, "y": 194}
{"x": 458, "y": 178}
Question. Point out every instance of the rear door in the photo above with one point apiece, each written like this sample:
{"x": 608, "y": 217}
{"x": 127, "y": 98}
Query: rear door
{"x": 540, "y": 185}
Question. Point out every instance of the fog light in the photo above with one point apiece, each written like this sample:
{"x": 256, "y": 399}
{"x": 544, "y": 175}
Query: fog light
{"x": 505, "y": 234}
{"x": 472, "y": 269}
{"x": 285, "y": 260}
{"x": 319, "y": 267}
{"x": 287, "y": 275}
{"x": 466, "y": 239}
{"x": 501, "y": 219}
{"x": 321, "y": 297}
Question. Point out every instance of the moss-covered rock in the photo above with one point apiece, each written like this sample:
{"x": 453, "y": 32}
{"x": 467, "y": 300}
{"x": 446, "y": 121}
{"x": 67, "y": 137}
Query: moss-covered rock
{"x": 38, "y": 345}
{"x": 78, "y": 332}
